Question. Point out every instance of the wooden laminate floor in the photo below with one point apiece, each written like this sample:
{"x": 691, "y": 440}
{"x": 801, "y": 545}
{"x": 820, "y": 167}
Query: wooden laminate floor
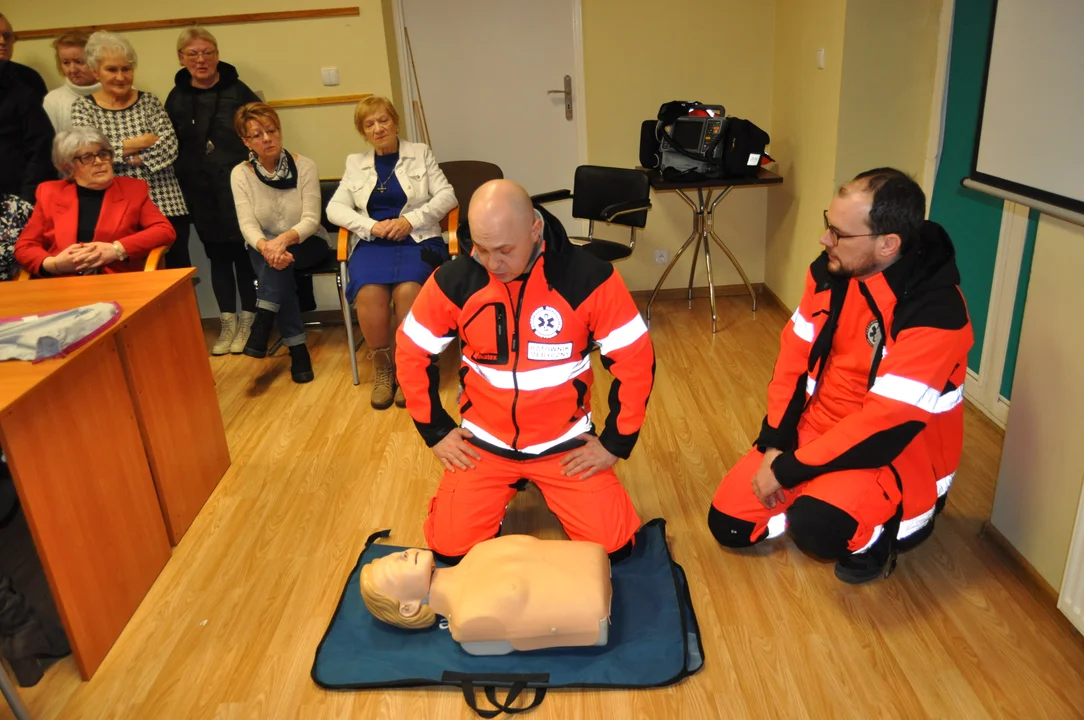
{"x": 230, "y": 627}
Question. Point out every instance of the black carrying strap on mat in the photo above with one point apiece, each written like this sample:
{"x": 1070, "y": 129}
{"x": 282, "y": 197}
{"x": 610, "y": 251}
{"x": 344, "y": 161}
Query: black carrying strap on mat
{"x": 516, "y": 684}
{"x": 378, "y": 535}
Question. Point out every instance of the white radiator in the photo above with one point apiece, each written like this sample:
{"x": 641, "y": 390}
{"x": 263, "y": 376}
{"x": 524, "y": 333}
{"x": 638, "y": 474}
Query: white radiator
{"x": 1071, "y": 600}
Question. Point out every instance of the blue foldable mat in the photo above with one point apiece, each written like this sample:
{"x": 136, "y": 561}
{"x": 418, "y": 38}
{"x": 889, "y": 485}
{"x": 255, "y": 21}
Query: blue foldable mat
{"x": 654, "y": 640}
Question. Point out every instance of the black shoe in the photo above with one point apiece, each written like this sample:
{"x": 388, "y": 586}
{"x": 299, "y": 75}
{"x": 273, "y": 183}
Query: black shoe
{"x": 261, "y": 333}
{"x": 9, "y": 499}
{"x": 300, "y": 364}
{"x": 858, "y": 569}
{"x": 28, "y": 644}
{"x": 879, "y": 559}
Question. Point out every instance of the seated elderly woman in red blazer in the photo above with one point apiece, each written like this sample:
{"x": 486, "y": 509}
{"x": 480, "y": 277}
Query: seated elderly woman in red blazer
{"x": 90, "y": 222}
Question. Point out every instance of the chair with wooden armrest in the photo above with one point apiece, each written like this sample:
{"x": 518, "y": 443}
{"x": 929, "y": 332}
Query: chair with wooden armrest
{"x": 155, "y": 261}
{"x": 465, "y": 176}
{"x": 450, "y": 225}
{"x": 341, "y": 257}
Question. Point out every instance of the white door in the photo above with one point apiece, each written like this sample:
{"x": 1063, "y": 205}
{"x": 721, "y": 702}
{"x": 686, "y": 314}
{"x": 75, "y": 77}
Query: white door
{"x": 484, "y": 70}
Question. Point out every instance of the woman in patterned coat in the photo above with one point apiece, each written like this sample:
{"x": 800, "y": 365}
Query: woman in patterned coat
{"x": 144, "y": 142}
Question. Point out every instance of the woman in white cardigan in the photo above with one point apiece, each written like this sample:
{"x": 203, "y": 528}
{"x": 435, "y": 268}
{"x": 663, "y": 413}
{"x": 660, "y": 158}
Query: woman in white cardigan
{"x": 277, "y": 196}
{"x": 79, "y": 80}
{"x": 392, "y": 200}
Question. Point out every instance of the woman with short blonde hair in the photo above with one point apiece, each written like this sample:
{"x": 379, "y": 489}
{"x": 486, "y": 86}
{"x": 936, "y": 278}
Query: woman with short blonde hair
{"x": 392, "y": 200}
{"x": 79, "y": 80}
{"x": 371, "y": 105}
{"x": 206, "y": 94}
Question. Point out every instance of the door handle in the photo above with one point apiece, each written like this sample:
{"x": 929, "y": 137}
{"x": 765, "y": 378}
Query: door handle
{"x": 567, "y": 92}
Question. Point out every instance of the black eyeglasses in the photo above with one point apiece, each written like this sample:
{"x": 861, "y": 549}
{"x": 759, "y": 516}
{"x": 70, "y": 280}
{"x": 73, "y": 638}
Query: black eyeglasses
{"x": 105, "y": 155}
{"x": 837, "y": 235}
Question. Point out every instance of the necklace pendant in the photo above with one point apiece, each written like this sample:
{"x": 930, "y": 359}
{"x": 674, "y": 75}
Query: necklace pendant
{"x": 210, "y": 147}
{"x": 379, "y": 189}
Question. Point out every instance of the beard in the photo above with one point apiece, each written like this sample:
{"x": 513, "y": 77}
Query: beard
{"x": 866, "y": 266}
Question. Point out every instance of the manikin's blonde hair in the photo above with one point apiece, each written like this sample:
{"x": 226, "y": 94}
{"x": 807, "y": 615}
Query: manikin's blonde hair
{"x": 386, "y": 609}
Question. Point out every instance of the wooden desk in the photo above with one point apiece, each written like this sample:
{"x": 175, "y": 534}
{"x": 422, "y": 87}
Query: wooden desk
{"x": 113, "y": 449}
{"x": 704, "y": 226}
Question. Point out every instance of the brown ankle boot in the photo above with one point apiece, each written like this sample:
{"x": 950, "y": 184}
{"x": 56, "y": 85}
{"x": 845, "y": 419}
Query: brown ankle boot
{"x": 383, "y": 378}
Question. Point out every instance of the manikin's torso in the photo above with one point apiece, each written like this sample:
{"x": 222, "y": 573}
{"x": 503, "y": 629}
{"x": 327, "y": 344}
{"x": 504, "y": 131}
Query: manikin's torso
{"x": 521, "y": 593}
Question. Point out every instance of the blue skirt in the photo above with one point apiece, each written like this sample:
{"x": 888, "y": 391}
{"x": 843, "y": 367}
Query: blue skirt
{"x": 387, "y": 262}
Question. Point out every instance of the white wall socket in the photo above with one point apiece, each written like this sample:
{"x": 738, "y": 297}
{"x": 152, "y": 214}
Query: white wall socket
{"x": 662, "y": 256}
{"x": 330, "y": 76}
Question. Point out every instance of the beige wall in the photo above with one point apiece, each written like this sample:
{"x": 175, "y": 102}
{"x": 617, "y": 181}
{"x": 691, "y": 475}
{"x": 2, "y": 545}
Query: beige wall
{"x": 277, "y": 59}
{"x": 392, "y": 49}
{"x": 1042, "y": 463}
{"x": 804, "y": 127}
{"x": 634, "y": 61}
{"x": 869, "y": 107}
{"x": 889, "y": 62}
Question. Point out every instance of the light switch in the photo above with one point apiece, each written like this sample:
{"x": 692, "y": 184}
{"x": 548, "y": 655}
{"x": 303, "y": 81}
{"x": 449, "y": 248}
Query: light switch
{"x": 330, "y": 75}
{"x": 820, "y": 60}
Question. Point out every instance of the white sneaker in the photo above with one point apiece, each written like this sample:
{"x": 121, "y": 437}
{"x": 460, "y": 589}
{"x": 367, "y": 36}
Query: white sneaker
{"x": 226, "y": 334}
{"x": 244, "y": 329}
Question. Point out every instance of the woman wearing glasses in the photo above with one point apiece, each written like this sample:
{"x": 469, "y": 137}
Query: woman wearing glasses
{"x": 201, "y": 105}
{"x": 91, "y": 221}
{"x": 141, "y": 135}
{"x": 277, "y": 196}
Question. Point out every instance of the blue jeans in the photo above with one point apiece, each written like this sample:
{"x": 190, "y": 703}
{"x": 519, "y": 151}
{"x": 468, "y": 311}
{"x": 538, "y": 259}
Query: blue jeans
{"x": 276, "y": 290}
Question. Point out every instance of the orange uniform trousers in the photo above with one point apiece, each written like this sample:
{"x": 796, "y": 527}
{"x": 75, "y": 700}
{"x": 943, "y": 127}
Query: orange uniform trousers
{"x": 869, "y": 496}
{"x": 470, "y": 504}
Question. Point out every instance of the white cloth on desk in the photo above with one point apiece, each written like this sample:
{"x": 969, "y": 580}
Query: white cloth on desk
{"x": 45, "y": 335}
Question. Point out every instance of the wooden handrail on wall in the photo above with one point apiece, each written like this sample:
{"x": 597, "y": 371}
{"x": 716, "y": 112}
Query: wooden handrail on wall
{"x": 185, "y": 22}
{"x": 310, "y": 101}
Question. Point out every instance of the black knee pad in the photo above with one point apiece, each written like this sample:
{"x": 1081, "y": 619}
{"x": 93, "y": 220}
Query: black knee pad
{"x": 447, "y": 559}
{"x": 621, "y": 553}
{"x": 820, "y": 529}
{"x": 731, "y": 531}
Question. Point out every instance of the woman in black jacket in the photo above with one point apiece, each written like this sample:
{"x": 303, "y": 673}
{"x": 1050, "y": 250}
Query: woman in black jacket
{"x": 202, "y": 106}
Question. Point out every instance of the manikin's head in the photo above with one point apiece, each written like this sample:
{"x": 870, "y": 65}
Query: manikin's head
{"x": 504, "y": 228}
{"x": 873, "y": 220}
{"x": 395, "y": 587}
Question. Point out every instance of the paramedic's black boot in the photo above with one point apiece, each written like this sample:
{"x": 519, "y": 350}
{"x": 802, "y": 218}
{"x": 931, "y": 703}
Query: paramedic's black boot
{"x": 878, "y": 560}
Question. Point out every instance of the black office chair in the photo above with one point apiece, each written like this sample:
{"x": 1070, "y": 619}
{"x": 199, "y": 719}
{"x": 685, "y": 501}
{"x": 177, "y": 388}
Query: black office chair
{"x": 335, "y": 264}
{"x": 612, "y": 195}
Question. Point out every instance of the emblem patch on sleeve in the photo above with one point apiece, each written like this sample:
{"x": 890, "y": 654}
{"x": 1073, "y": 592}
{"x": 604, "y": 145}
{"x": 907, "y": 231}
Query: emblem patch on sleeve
{"x": 873, "y": 333}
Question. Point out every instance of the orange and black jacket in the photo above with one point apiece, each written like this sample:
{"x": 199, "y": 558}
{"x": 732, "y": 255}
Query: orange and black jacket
{"x": 526, "y": 371}
{"x": 919, "y": 336}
